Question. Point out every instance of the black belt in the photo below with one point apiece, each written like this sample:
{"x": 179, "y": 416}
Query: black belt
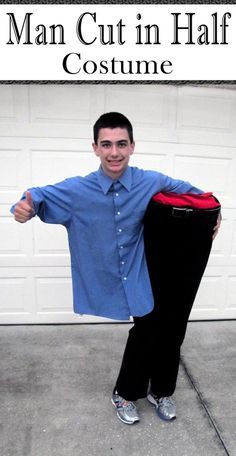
{"x": 180, "y": 212}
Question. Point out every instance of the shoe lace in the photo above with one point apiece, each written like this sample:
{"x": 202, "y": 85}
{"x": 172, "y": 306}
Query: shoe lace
{"x": 166, "y": 401}
{"x": 127, "y": 405}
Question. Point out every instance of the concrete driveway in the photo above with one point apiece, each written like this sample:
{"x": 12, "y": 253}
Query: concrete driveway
{"x": 56, "y": 382}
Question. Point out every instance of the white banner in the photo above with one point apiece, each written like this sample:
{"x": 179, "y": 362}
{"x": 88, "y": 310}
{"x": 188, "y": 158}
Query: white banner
{"x": 135, "y": 42}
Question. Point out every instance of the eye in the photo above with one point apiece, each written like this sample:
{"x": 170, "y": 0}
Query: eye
{"x": 106, "y": 145}
{"x": 122, "y": 144}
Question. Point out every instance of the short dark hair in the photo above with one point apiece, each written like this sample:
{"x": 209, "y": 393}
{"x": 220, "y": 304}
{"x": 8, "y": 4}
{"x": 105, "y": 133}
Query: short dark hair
{"x": 112, "y": 120}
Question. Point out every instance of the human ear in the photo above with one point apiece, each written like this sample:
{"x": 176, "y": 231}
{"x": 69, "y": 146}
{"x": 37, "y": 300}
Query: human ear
{"x": 132, "y": 147}
{"x": 95, "y": 149}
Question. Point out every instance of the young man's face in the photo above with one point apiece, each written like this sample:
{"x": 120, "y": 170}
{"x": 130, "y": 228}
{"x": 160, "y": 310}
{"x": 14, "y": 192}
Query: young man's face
{"x": 114, "y": 149}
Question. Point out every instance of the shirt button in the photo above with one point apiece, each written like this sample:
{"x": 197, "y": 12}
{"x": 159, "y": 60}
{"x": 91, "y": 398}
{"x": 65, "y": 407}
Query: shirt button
{"x": 118, "y": 213}
{"x": 122, "y": 262}
{"x": 119, "y": 230}
{"x": 121, "y": 246}
{"x": 117, "y": 194}
{"x": 125, "y": 278}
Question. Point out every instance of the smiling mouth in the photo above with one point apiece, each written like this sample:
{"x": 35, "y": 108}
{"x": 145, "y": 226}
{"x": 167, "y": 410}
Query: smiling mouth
{"x": 115, "y": 161}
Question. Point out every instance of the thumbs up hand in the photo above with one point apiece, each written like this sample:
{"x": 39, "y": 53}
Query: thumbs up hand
{"x": 24, "y": 210}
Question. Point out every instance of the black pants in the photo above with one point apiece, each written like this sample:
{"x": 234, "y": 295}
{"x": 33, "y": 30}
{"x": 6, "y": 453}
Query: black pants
{"x": 177, "y": 247}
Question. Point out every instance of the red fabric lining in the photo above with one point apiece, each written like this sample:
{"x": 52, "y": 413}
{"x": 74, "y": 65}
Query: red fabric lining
{"x": 202, "y": 201}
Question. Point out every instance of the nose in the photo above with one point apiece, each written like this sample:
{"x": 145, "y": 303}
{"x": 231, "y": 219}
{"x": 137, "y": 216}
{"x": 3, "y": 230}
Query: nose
{"x": 114, "y": 151}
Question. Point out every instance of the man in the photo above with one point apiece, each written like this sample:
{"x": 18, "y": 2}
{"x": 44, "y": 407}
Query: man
{"x": 103, "y": 214}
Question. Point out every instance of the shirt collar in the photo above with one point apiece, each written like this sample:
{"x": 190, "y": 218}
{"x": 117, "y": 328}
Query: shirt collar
{"x": 106, "y": 182}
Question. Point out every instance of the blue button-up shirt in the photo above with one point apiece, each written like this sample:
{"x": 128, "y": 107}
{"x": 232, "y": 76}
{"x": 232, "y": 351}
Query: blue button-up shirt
{"x": 103, "y": 219}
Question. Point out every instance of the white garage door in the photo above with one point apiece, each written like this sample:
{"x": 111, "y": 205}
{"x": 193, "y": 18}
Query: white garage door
{"x": 46, "y": 133}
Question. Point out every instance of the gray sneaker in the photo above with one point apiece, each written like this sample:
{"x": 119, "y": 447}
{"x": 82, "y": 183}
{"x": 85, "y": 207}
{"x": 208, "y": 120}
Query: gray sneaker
{"x": 165, "y": 407}
{"x": 126, "y": 410}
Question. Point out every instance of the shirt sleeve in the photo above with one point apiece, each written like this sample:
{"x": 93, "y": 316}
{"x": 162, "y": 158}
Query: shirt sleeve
{"x": 52, "y": 203}
{"x": 168, "y": 184}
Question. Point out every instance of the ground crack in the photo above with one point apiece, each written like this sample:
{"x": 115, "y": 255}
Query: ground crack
{"x": 202, "y": 401}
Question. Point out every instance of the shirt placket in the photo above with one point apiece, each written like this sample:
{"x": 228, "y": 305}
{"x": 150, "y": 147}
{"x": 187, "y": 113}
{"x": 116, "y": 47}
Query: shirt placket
{"x": 120, "y": 230}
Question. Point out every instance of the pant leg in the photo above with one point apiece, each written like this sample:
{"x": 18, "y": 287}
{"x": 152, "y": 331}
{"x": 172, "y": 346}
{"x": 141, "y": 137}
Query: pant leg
{"x": 151, "y": 355}
{"x": 133, "y": 379}
{"x": 177, "y": 250}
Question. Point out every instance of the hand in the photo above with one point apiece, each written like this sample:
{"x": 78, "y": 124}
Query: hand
{"x": 217, "y": 226}
{"x": 24, "y": 210}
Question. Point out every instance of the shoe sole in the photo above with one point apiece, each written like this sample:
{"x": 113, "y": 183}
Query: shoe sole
{"x": 121, "y": 419}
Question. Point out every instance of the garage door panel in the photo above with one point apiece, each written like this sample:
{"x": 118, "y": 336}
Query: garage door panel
{"x": 216, "y": 297}
{"x": 231, "y": 294}
{"x": 50, "y": 166}
{"x": 151, "y": 108}
{"x": 7, "y": 103}
{"x": 49, "y": 241}
{"x": 210, "y": 168}
{"x": 14, "y": 298}
{"x": 11, "y": 242}
{"x": 162, "y": 162}
{"x": 212, "y": 110}
{"x": 213, "y": 172}
{"x": 53, "y": 295}
{"x": 36, "y": 295}
{"x": 211, "y": 292}
{"x": 63, "y": 110}
{"x": 206, "y": 116}
{"x": 228, "y": 235}
{"x": 16, "y": 240}
{"x": 152, "y": 111}
{"x": 233, "y": 251}
{"x": 32, "y": 244}
{"x": 12, "y": 166}
{"x": 50, "y": 104}
{"x": 49, "y": 111}
{"x": 13, "y": 102}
